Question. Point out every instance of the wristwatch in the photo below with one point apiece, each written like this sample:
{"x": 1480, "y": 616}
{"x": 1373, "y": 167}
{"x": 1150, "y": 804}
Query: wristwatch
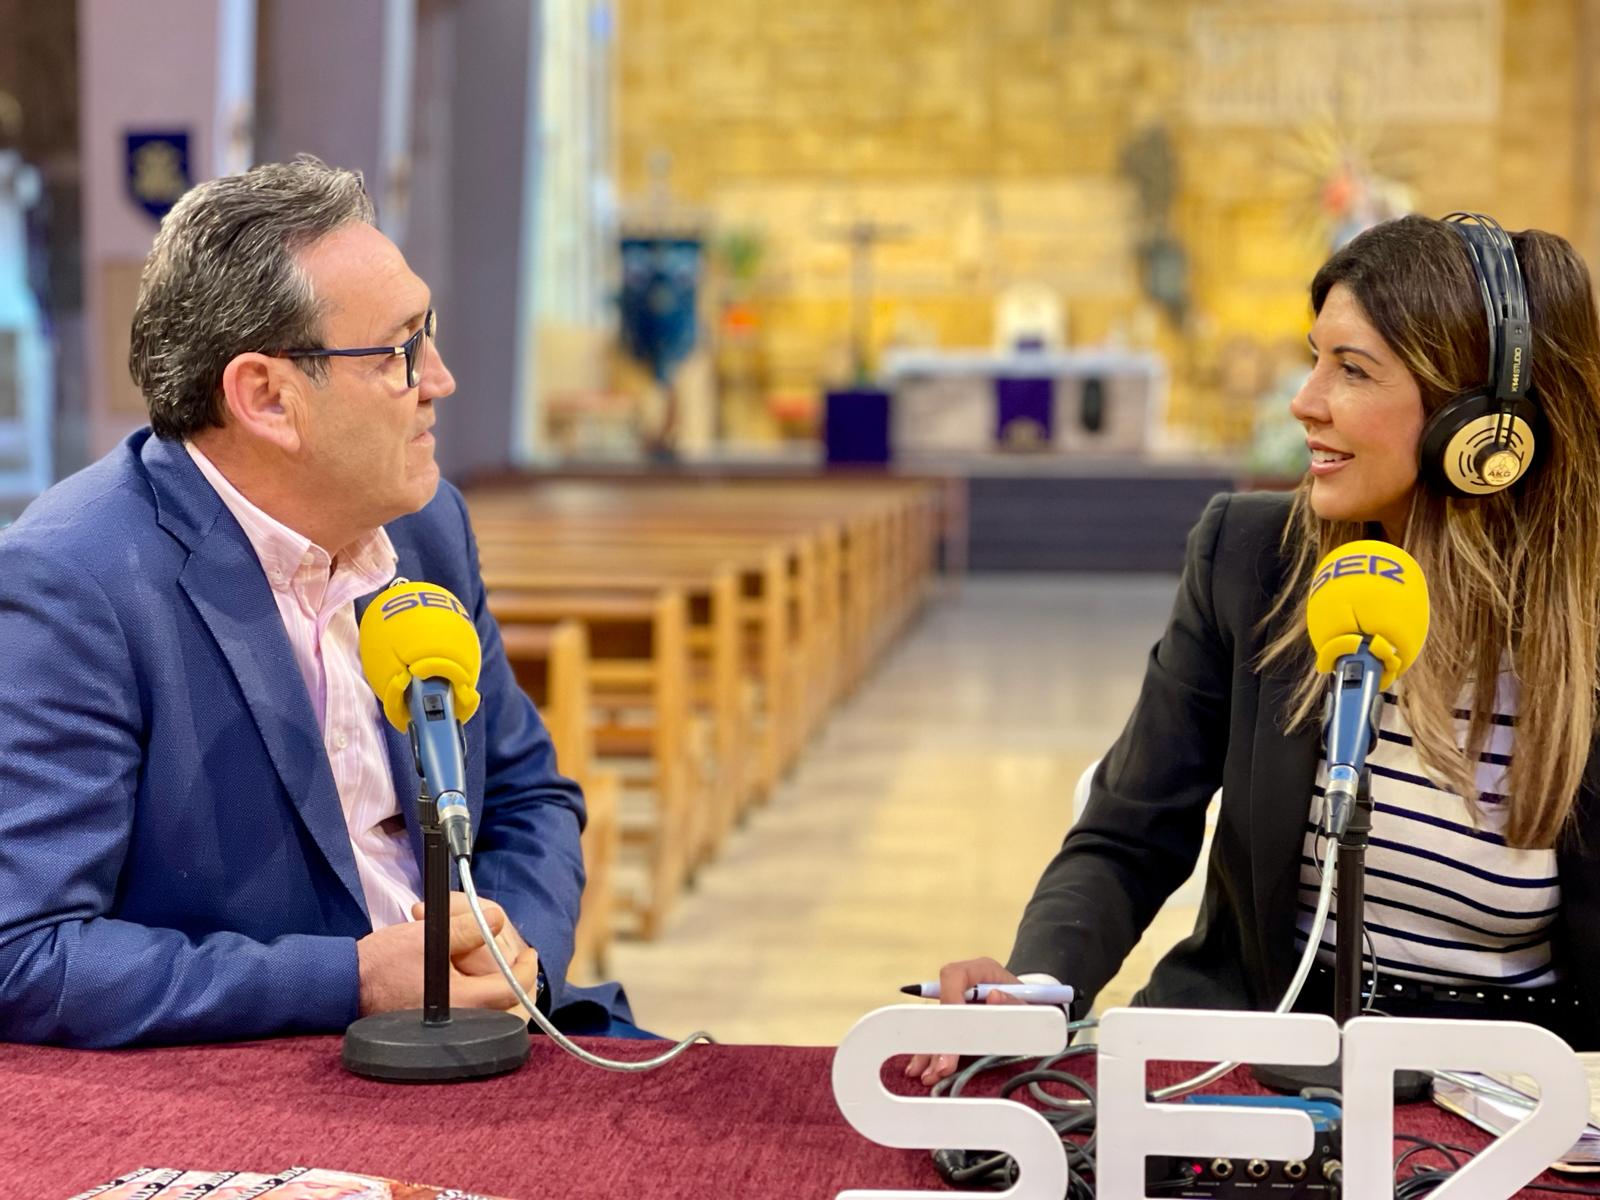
{"x": 541, "y": 997}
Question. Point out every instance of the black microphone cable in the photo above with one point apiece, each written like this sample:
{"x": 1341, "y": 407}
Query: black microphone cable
{"x": 1425, "y": 1180}
{"x": 1069, "y": 1117}
{"x": 1074, "y": 1117}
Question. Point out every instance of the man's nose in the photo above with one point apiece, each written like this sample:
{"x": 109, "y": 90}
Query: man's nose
{"x": 437, "y": 382}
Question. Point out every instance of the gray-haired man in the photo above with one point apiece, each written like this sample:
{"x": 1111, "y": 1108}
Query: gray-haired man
{"x": 209, "y": 832}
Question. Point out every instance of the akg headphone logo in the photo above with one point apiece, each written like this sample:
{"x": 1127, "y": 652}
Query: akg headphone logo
{"x": 1501, "y": 469}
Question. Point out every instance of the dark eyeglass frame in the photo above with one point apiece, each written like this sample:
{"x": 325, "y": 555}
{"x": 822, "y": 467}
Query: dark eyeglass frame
{"x": 411, "y": 348}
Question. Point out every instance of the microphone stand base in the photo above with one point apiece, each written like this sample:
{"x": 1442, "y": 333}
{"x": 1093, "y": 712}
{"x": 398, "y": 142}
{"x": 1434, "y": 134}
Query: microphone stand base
{"x": 1409, "y": 1086}
{"x": 399, "y": 1047}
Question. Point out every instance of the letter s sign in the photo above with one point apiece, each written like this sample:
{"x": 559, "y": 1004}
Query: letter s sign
{"x": 928, "y": 1123}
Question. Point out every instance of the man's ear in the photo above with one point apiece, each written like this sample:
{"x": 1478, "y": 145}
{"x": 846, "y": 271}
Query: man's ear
{"x": 265, "y": 398}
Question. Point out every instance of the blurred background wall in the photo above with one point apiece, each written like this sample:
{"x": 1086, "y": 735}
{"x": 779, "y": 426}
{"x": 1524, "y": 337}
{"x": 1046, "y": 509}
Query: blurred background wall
{"x": 1175, "y": 171}
{"x": 840, "y": 183}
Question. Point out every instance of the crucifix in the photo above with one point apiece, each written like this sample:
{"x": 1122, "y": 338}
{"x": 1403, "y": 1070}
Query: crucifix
{"x": 863, "y": 236}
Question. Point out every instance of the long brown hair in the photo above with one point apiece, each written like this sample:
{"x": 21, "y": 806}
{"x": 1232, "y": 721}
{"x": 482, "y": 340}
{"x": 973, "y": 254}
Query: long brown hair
{"x": 1514, "y": 577}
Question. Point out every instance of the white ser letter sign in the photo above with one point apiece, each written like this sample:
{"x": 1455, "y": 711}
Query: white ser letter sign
{"x": 1131, "y": 1128}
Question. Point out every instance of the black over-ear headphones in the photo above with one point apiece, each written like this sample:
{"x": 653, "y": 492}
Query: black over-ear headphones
{"x": 1484, "y": 440}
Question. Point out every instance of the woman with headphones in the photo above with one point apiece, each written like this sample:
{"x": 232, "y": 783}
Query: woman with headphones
{"x": 1453, "y": 409}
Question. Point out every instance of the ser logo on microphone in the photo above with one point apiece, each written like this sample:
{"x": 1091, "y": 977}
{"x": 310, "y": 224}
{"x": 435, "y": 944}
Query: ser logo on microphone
{"x": 409, "y": 600}
{"x": 1359, "y": 564}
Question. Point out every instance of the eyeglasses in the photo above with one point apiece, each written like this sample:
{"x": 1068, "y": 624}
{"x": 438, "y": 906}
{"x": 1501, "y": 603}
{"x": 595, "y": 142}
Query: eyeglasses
{"x": 411, "y": 348}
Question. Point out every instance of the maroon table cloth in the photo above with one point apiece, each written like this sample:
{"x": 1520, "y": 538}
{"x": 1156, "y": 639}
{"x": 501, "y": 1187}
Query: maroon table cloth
{"x": 745, "y": 1121}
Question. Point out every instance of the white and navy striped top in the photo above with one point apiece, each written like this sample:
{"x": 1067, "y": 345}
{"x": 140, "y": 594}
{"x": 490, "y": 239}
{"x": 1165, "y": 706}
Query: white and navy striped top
{"x": 1447, "y": 900}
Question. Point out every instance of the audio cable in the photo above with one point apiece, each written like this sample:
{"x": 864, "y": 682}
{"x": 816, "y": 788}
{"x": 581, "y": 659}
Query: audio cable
{"x": 464, "y": 866}
{"x": 1307, "y": 957}
{"x": 1068, "y": 1117}
{"x": 1212, "y": 1074}
{"x": 1076, "y": 1117}
{"x": 1366, "y": 933}
{"x": 1425, "y": 1180}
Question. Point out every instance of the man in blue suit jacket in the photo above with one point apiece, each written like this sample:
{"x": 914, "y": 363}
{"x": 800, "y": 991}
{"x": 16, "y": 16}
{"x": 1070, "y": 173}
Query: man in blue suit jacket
{"x": 176, "y": 863}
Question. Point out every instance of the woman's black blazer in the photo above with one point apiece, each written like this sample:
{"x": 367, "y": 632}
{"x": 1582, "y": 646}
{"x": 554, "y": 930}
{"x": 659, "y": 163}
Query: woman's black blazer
{"x": 1207, "y": 718}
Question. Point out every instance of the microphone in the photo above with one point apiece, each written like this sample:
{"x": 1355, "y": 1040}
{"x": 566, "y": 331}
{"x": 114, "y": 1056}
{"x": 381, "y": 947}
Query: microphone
{"x": 420, "y": 654}
{"x": 1367, "y": 616}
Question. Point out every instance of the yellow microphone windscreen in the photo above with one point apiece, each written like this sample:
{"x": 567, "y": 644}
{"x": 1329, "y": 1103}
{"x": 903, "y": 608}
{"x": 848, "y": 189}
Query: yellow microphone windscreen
{"x": 419, "y": 631}
{"x": 1368, "y": 589}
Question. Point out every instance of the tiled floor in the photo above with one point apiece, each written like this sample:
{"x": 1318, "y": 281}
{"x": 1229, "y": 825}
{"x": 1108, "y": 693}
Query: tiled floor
{"x": 914, "y": 828}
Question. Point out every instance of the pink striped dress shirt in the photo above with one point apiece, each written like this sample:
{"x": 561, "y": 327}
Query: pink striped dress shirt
{"x": 316, "y": 596}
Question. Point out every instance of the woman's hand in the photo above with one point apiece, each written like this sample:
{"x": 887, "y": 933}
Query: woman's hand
{"x": 954, "y": 980}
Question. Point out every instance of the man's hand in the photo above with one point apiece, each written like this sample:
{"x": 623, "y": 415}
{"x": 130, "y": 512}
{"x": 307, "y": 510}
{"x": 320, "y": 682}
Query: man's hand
{"x": 954, "y": 980}
{"x": 389, "y": 962}
{"x": 478, "y": 960}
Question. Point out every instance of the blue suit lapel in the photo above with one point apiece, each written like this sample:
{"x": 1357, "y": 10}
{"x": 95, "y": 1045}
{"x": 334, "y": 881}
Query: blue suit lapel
{"x": 224, "y": 580}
